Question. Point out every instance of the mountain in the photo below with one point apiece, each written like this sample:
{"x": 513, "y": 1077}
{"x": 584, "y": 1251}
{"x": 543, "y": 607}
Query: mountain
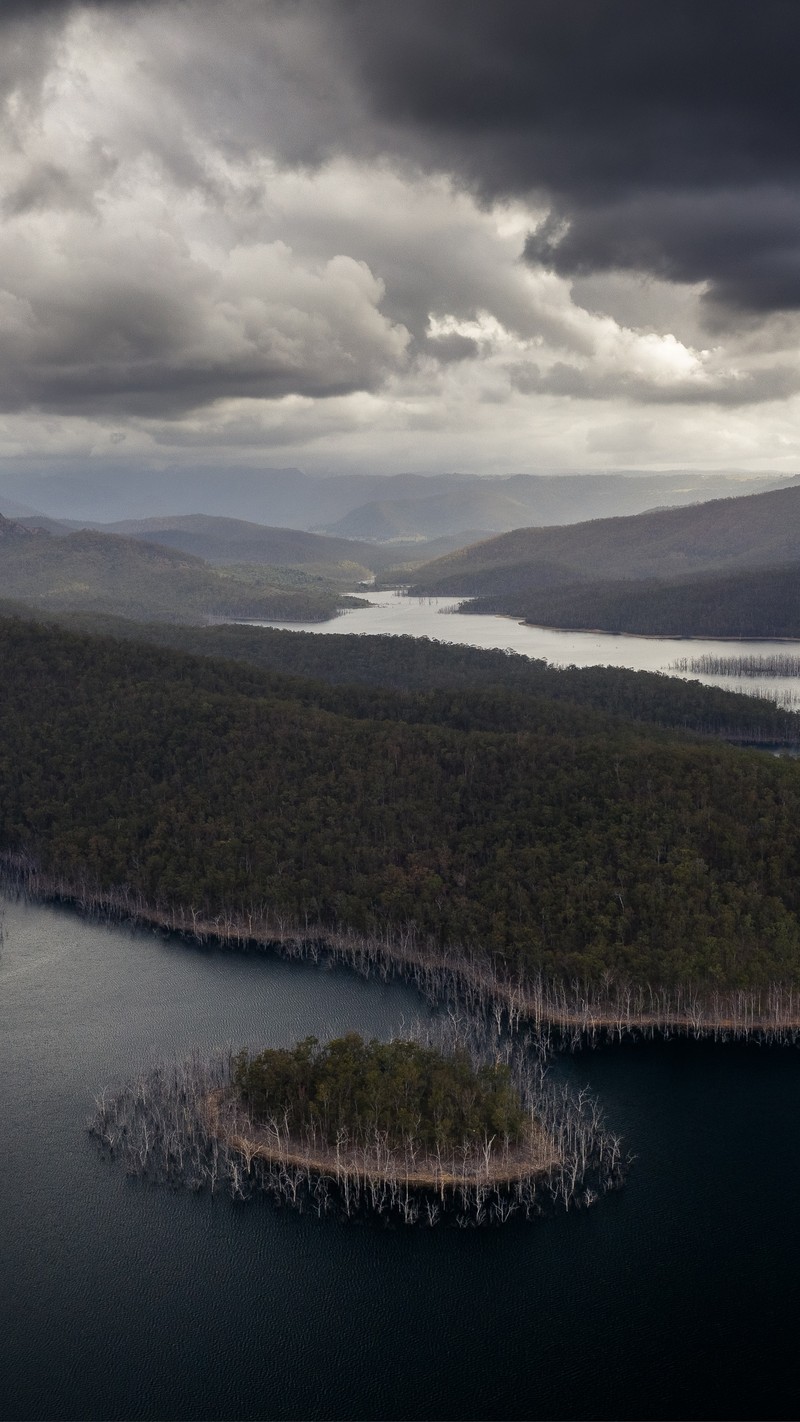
{"x": 485, "y": 508}
{"x": 230, "y": 540}
{"x": 758, "y": 530}
{"x": 101, "y": 572}
{"x": 50, "y": 525}
{"x": 760, "y": 603}
{"x": 290, "y": 498}
{"x": 500, "y": 504}
{"x": 14, "y": 535}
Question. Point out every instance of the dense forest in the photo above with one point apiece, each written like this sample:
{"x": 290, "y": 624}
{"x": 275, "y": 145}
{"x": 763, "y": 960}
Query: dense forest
{"x": 400, "y": 1089}
{"x": 490, "y": 689}
{"x": 761, "y": 603}
{"x": 559, "y": 842}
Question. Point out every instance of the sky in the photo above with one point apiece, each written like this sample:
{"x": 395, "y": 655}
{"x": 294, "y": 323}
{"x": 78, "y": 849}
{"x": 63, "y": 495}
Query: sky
{"x": 358, "y": 235}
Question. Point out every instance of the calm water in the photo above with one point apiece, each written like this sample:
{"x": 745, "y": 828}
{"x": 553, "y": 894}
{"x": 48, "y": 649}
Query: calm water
{"x": 677, "y": 1297}
{"x": 428, "y": 617}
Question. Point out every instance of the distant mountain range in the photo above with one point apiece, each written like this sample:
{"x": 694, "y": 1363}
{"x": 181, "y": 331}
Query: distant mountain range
{"x": 400, "y": 507}
{"x": 517, "y": 501}
{"x": 230, "y": 541}
{"x": 755, "y": 531}
{"x": 197, "y": 566}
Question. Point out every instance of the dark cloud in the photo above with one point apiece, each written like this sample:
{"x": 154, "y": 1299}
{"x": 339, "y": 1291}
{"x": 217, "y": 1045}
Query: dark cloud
{"x": 664, "y": 135}
{"x": 33, "y": 9}
{"x": 182, "y": 224}
{"x": 451, "y": 348}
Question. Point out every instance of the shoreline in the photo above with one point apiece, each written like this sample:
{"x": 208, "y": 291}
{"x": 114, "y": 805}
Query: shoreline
{"x": 393, "y": 1169}
{"x": 579, "y": 1012}
{"x": 647, "y": 636}
{"x": 164, "y": 1126}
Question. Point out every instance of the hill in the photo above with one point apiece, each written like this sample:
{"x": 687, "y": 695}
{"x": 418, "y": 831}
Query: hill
{"x": 100, "y": 572}
{"x": 236, "y": 541}
{"x": 489, "y": 688}
{"x": 757, "y": 530}
{"x": 233, "y": 541}
{"x": 488, "y": 506}
{"x": 761, "y": 603}
{"x": 513, "y": 501}
{"x": 572, "y": 846}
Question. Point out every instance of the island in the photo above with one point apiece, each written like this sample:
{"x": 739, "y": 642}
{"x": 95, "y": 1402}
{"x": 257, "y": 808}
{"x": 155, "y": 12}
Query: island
{"x": 406, "y": 1129}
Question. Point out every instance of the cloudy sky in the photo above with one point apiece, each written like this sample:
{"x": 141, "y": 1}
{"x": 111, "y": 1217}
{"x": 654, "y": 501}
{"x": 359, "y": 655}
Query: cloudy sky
{"x": 488, "y": 235}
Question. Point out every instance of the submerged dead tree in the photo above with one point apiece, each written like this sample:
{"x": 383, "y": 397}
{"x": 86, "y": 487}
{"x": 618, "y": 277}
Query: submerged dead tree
{"x": 572, "y": 1012}
{"x": 184, "y": 1123}
{"x": 784, "y": 664}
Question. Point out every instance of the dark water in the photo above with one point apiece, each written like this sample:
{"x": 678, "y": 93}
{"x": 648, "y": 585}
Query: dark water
{"x": 676, "y": 1298}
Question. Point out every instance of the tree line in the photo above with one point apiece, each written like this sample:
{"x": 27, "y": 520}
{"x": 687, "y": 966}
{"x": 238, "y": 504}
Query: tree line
{"x": 567, "y": 848}
{"x": 518, "y": 686}
{"x": 762, "y": 602}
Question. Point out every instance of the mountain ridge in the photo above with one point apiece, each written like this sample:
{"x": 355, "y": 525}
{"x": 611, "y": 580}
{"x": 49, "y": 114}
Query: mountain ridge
{"x": 755, "y": 530}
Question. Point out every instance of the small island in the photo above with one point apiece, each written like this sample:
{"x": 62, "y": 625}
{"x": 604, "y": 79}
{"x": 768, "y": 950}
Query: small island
{"x": 401, "y": 1129}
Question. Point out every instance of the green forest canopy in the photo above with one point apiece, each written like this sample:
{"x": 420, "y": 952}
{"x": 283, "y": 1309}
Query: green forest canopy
{"x": 401, "y": 1089}
{"x": 104, "y": 573}
{"x": 490, "y": 689}
{"x": 561, "y": 841}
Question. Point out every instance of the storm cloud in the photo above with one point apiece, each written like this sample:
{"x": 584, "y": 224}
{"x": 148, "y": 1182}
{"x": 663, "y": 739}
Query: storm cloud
{"x": 369, "y": 226}
{"x": 664, "y": 137}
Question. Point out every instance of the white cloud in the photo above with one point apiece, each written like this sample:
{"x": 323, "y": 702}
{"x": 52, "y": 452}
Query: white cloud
{"x": 166, "y": 274}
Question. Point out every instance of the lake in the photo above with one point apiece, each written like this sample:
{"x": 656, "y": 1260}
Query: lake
{"x": 393, "y": 613}
{"x": 676, "y": 1297}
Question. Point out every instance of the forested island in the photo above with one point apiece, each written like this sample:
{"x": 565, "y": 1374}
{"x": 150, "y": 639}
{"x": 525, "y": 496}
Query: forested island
{"x": 406, "y": 1129}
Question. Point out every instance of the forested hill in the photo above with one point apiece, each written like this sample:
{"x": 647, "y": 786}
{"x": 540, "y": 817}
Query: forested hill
{"x": 509, "y": 680}
{"x": 762, "y": 603}
{"x": 233, "y": 540}
{"x": 759, "y": 530}
{"x": 574, "y": 847}
{"x": 106, "y": 573}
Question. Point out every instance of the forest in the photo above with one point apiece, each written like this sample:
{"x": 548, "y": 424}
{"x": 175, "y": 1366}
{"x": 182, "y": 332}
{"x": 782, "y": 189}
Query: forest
{"x": 538, "y": 836}
{"x": 458, "y": 1125}
{"x": 764, "y": 602}
{"x": 494, "y": 689}
{"x": 401, "y": 1089}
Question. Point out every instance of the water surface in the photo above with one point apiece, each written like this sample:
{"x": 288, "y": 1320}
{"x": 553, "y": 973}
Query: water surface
{"x": 676, "y": 1297}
